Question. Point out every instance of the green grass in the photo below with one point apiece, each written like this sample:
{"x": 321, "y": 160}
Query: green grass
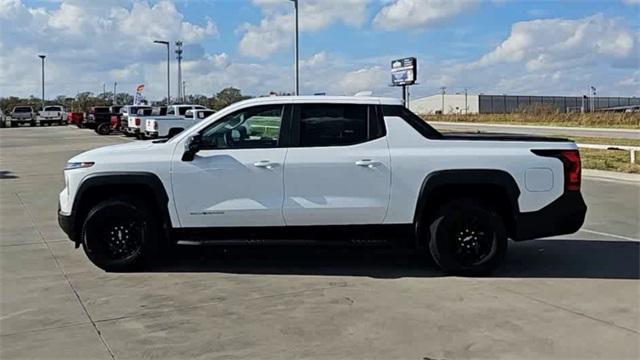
{"x": 603, "y": 120}
{"x": 610, "y": 160}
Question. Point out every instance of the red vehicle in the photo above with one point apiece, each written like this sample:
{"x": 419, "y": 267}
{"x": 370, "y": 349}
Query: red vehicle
{"x": 76, "y": 118}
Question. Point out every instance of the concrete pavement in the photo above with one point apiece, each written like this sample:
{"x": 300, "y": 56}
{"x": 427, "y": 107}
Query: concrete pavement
{"x": 569, "y": 297}
{"x": 538, "y": 130}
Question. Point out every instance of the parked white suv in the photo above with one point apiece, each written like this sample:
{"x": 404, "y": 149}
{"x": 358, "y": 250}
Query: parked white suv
{"x": 322, "y": 169}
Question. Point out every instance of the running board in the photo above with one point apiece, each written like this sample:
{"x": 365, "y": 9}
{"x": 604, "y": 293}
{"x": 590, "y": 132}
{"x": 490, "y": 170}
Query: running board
{"x": 275, "y": 242}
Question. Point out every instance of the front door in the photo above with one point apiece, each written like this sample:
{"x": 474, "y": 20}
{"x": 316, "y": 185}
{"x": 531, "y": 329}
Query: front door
{"x": 236, "y": 180}
{"x": 339, "y": 171}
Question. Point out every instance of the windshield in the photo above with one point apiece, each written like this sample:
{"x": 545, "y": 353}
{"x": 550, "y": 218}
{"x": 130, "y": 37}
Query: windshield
{"x": 101, "y": 110}
{"x": 52, "y": 108}
{"x": 22, "y": 109}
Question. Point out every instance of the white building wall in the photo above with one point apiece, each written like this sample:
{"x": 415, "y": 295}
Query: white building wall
{"x": 453, "y": 104}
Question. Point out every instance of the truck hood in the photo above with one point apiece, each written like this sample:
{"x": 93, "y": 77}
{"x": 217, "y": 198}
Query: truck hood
{"x": 113, "y": 150}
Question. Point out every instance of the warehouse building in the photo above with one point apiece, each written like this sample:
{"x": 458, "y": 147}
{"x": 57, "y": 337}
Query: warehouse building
{"x": 500, "y": 104}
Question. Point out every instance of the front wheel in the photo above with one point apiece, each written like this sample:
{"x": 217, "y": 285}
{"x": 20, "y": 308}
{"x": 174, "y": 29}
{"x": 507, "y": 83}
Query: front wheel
{"x": 467, "y": 238}
{"x": 120, "y": 234}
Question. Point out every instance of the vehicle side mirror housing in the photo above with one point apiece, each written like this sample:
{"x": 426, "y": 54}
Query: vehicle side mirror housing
{"x": 191, "y": 147}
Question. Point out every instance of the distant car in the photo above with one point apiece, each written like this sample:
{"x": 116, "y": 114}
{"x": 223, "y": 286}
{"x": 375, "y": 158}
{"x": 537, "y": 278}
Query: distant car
{"x": 173, "y": 112}
{"x": 167, "y": 126}
{"x": 97, "y": 115}
{"x": 23, "y": 115}
{"x": 76, "y": 118}
{"x": 53, "y": 114}
{"x": 131, "y": 118}
{"x": 2, "y": 118}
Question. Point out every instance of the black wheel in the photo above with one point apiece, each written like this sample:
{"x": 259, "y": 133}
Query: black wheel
{"x": 32, "y": 123}
{"x": 120, "y": 234}
{"x": 467, "y": 238}
{"x": 103, "y": 129}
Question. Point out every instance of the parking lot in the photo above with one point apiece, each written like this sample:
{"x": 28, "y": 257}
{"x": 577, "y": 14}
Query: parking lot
{"x": 574, "y": 296}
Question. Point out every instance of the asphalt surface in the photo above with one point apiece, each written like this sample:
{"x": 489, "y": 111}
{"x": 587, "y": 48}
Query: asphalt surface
{"x": 569, "y": 297}
{"x": 538, "y": 130}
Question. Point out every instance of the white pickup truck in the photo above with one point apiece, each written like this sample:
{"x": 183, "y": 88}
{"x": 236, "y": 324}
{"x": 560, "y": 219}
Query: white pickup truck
{"x": 174, "y": 112}
{"x": 318, "y": 170}
{"x": 52, "y": 114}
{"x": 160, "y": 127}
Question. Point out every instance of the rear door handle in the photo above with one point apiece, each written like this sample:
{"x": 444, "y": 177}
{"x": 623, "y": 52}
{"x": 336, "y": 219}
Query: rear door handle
{"x": 265, "y": 164}
{"x": 368, "y": 163}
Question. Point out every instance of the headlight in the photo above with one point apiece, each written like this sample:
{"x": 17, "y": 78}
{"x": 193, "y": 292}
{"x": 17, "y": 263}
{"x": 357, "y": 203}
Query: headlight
{"x": 78, "y": 165}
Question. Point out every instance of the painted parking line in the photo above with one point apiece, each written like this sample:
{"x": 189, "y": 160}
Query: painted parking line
{"x": 609, "y": 235}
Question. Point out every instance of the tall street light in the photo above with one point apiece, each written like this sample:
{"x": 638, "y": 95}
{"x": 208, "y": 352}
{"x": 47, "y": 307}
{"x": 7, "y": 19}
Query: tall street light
{"x": 42, "y": 58}
{"x": 297, "y": 72}
{"x": 168, "y": 70}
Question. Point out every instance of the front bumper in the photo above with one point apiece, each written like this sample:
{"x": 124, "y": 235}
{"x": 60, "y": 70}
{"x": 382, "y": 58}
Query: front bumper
{"x": 563, "y": 216}
{"x": 66, "y": 223}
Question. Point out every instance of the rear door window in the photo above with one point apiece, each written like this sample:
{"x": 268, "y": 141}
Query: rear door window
{"x": 333, "y": 124}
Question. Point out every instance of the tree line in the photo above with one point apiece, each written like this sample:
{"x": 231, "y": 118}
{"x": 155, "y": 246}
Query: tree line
{"x": 83, "y": 101}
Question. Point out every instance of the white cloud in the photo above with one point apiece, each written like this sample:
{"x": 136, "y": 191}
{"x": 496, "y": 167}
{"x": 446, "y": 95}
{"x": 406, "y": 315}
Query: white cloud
{"x": 90, "y": 42}
{"x": 561, "y": 43}
{"x": 407, "y": 14}
{"x": 631, "y": 2}
{"x": 275, "y": 30}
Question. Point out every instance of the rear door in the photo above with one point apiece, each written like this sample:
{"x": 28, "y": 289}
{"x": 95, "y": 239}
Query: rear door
{"x": 338, "y": 170}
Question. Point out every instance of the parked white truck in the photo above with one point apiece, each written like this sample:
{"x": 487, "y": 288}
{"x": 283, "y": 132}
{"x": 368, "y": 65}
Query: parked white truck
{"x": 174, "y": 112}
{"x": 170, "y": 126}
{"x": 52, "y": 114}
{"x": 318, "y": 170}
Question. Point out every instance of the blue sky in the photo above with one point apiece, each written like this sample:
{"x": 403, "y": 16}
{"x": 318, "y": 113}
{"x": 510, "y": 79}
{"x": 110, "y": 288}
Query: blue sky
{"x": 499, "y": 46}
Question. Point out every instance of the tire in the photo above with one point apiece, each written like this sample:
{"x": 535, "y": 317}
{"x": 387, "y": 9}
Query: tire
{"x": 467, "y": 238}
{"x": 32, "y": 123}
{"x": 103, "y": 129}
{"x": 120, "y": 234}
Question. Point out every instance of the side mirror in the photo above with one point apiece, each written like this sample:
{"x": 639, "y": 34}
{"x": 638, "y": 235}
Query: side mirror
{"x": 191, "y": 147}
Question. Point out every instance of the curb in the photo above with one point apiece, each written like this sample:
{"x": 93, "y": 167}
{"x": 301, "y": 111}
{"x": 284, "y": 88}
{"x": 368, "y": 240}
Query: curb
{"x": 611, "y": 175}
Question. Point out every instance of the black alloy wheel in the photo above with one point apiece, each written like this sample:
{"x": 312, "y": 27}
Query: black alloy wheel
{"x": 467, "y": 238}
{"x": 120, "y": 234}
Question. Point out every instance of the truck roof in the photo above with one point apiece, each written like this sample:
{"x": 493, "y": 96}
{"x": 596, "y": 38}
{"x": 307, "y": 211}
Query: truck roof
{"x": 320, "y": 99}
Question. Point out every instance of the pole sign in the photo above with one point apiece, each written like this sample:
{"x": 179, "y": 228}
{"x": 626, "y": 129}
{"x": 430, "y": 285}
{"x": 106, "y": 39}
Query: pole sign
{"x": 404, "y": 71}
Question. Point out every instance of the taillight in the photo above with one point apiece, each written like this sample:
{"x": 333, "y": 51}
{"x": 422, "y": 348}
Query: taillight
{"x": 571, "y": 164}
{"x": 137, "y": 120}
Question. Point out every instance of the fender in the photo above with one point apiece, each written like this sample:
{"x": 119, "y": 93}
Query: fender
{"x": 121, "y": 179}
{"x": 467, "y": 177}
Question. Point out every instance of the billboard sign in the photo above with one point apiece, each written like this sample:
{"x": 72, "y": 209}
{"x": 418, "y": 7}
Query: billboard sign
{"x": 404, "y": 71}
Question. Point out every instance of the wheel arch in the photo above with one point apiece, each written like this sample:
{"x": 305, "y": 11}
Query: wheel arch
{"x": 100, "y": 186}
{"x": 496, "y": 188}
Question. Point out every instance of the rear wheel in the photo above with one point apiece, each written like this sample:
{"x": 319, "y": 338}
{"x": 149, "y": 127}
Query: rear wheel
{"x": 32, "y": 123}
{"x": 103, "y": 129}
{"x": 467, "y": 238}
{"x": 120, "y": 234}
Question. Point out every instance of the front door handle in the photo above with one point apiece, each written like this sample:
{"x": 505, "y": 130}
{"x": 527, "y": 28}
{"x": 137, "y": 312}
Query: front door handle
{"x": 265, "y": 164}
{"x": 368, "y": 163}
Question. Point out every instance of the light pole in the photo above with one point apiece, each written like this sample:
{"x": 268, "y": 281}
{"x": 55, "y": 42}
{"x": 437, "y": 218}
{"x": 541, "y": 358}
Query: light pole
{"x": 444, "y": 91}
{"x": 179, "y": 57}
{"x": 42, "y": 58}
{"x": 297, "y": 72}
{"x": 168, "y": 70}
{"x": 115, "y": 101}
